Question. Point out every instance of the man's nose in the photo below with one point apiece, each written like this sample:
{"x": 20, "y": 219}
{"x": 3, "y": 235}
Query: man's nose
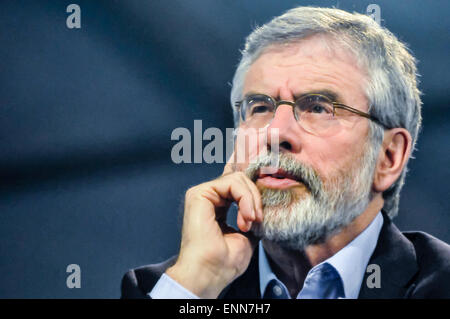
{"x": 284, "y": 130}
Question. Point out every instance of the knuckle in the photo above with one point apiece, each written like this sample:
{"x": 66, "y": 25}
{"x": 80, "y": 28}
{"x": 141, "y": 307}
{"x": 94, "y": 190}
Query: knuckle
{"x": 241, "y": 175}
{"x": 191, "y": 193}
{"x": 199, "y": 192}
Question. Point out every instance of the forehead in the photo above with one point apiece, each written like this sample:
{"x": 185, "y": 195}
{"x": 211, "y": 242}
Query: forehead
{"x": 313, "y": 64}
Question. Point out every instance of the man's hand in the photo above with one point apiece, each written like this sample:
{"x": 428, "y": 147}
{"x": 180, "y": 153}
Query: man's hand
{"x": 213, "y": 254}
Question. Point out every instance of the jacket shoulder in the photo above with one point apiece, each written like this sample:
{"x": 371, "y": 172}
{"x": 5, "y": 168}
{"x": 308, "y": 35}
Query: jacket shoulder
{"x": 433, "y": 259}
{"x": 138, "y": 282}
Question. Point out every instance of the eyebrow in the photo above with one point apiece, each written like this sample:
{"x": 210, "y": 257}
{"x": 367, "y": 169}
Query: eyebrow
{"x": 333, "y": 96}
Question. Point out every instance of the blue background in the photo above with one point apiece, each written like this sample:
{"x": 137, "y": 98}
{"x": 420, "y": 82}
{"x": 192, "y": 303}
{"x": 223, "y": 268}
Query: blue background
{"x": 86, "y": 117}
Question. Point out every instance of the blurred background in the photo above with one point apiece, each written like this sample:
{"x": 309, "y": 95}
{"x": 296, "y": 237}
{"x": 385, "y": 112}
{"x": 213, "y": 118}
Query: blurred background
{"x": 86, "y": 116}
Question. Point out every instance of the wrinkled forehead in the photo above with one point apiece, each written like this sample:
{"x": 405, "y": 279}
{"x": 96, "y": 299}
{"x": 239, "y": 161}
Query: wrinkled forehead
{"x": 315, "y": 63}
{"x": 324, "y": 45}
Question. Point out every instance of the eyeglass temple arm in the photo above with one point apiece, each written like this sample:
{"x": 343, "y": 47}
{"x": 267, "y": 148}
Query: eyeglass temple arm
{"x": 360, "y": 113}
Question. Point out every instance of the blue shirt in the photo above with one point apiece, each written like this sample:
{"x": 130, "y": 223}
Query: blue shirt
{"x": 339, "y": 276}
{"x": 346, "y": 267}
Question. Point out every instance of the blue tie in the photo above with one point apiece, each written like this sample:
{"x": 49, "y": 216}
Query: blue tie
{"x": 322, "y": 282}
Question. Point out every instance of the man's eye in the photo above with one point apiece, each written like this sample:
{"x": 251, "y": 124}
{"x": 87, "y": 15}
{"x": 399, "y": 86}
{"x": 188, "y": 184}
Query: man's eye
{"x": 317, "y": 108}
{"x": 259, "y": 109}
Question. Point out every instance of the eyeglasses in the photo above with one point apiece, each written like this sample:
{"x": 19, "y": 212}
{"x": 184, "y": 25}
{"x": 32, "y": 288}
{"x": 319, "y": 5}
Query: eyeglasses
{"x": 316, "y": 113}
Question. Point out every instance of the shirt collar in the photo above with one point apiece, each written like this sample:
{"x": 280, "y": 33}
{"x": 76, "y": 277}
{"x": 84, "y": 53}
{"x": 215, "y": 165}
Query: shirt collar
{"x": 265, "y": 272}
{"x": 350, "y": 262}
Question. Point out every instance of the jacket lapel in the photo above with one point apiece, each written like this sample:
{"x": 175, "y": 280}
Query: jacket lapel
{"x": 396, "y": 256}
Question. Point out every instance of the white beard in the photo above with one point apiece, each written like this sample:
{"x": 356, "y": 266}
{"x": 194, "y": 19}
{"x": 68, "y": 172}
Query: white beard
{"x": 295, "y": 221}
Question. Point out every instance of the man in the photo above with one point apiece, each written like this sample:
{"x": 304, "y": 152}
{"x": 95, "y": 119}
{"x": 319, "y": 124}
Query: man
{"x": 340, "y": 94}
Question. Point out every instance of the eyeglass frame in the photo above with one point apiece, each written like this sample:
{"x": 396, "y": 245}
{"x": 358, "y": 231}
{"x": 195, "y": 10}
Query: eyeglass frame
{"x": 276, "y": 103}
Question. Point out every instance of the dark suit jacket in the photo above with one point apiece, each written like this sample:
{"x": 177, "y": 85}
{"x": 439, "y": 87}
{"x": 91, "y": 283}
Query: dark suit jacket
{"x": 412, "y": 264}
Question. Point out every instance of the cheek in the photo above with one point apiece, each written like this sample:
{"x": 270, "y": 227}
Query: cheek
{"x": 333, "y": 156}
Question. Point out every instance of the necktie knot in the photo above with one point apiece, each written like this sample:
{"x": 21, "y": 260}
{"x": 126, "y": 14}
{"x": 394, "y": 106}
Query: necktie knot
{"x": 323, "y": 282}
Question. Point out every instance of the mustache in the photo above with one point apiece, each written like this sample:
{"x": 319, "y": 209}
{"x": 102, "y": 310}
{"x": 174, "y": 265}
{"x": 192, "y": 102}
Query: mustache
{"x": 296, "y": 170}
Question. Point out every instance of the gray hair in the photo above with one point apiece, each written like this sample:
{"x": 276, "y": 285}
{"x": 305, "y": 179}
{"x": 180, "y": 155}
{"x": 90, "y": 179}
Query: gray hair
{"x": 391, "y": 87}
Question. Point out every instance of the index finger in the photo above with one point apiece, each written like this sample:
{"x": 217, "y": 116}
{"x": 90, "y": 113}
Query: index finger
{"x": 228, "y": 169}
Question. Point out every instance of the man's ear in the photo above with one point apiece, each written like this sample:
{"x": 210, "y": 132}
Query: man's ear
{"x": 393, "y": 156}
